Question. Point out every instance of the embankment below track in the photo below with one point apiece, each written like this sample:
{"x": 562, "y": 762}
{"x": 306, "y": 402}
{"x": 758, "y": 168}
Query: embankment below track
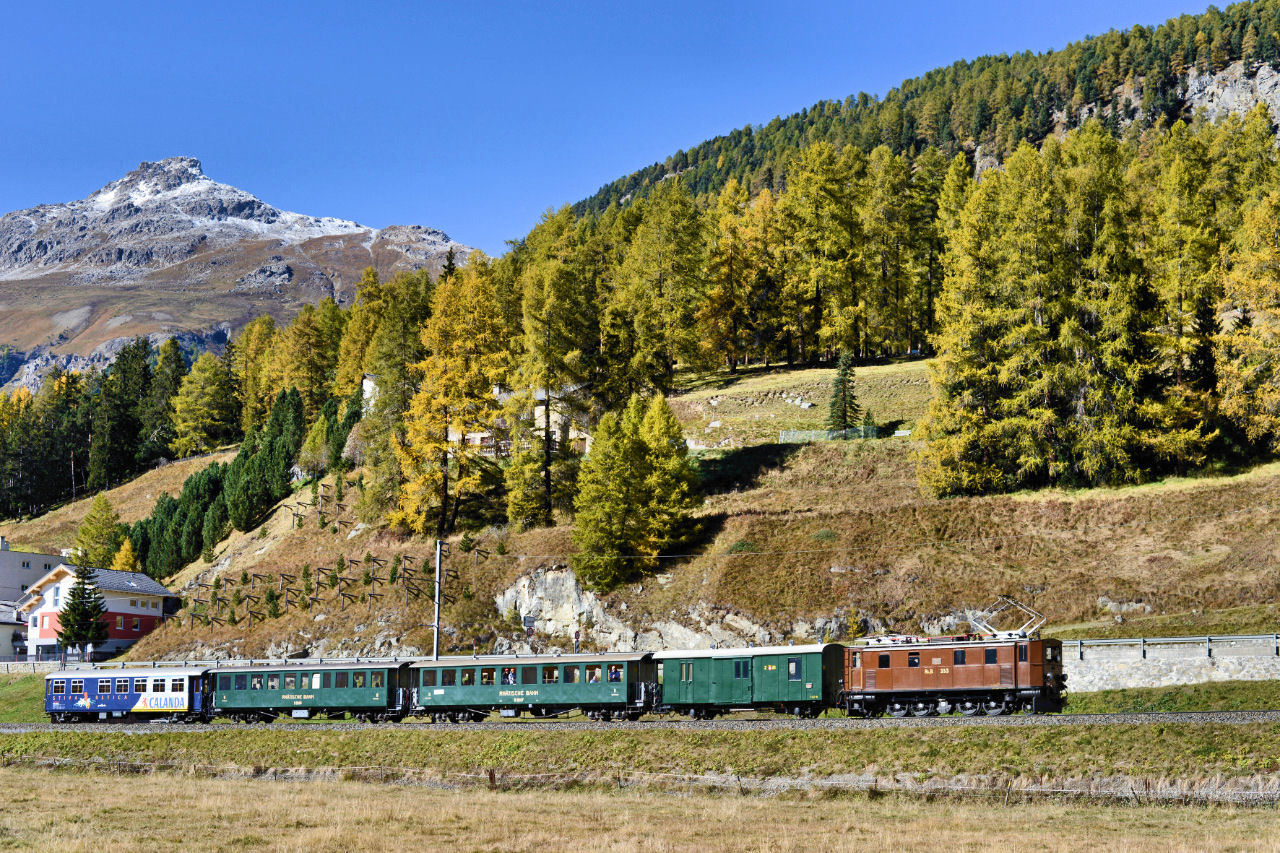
{"x": 1169, "y": 761}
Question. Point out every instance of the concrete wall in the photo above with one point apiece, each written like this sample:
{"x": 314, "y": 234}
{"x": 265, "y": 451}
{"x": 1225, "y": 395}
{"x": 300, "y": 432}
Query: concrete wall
{"x": 1091, "y": 666}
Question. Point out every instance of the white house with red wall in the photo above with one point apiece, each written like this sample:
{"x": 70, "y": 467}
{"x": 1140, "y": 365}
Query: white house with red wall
{"x": 136, "y": 604}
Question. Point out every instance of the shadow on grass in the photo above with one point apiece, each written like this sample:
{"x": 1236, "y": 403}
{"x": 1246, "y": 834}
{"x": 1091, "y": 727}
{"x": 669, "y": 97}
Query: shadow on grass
{"x": 741, "y": 467}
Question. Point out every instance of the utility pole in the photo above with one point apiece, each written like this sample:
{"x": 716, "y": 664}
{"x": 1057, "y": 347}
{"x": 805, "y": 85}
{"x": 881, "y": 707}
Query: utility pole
{"x": 442, "y": 551}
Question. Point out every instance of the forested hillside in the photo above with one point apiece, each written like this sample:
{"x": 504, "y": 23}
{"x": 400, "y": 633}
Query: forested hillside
{"x": 996, "y": 102}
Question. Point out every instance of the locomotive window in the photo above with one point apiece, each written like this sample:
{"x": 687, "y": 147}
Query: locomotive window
{"x": 157, "y": 685}
{"x": 528, "y": 675}
{"x": 551, "y": 675}
{"x": 104, "y": 685}
{"x": 122, "y": 685}
{"x": 913, "y": 659}
{"x": 291, "y": 681}
{"x": 255, "y": 682}
{"x": 990, "y": 655}
{"x": 486, "y": 675}
{"x": 242, "y": 681}
{"x": 448, "y": 677}
{"x": 793, "y": 669}
{"x": 571, "y": 675}
{"x": 77, "y": 685}
{"x": 273, "y": 681}
{"x": 224, "y": 682}
{"x": 1022, "y": 653}
{"x": 593, "y": 673}
{"x": 468, "y": 677}
{"x": 178, "y": 685}
{"x": 1052, "y": 654}
{"x": 375, "y": 679}
{"x": 884, "y": 662}
{"x": 59, "y": 687}
{"x": 958, "y": 659}
{"x": 357, "y": 679}
{"x": 428, "y": 678}
{"x": 340, "y": 680}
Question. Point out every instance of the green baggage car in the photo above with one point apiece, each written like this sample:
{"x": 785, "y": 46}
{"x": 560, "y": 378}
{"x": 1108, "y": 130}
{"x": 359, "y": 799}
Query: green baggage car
{"x": 800, "y": 680}
{"x": 605, "y": 687}
{"x": 365, "y": 691}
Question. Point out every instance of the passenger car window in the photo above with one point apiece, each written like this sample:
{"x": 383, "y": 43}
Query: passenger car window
{"x": 428, "y": 678}
{"x": 615, "y": 672}
{"x": 357, "y": 679}
{"x": 486, "y": 676}
{"x": 528, "y": 675}
{"x": 273, "y": 681}
{"x": 990, "y": 655}
{"x": 551, "y": 675}
{"x": 157, "y": 685}
{"x": 224, "y": 682}
{"x": 884, "y": 662}
{"x": 793, "y": 669}
{"x": 468, "y": 677}
{"x": 59, "y": 687}
{"x": 241, "y": 682}
{"x": 340, "y": 680}
{"x": 913, "y": 659}
{"x": 77, "y": 685}
{"x": 593, "y": 673}
{"x": 571, "y": 675}
{"x": 448, "y": 677}
{"x": 315, "y": 681}
{"x": 255, "y": 682}
{"x": 291, "y": 681}
{"x": 375, "y": 679}
{"x": 104, "y": 685}
{"x": 508, "y": 675}
{"x": 177, "y": 685}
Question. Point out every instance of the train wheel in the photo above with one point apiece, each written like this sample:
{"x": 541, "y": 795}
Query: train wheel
{"x": 994, "y": 709}
{"x": 969, "y": 708}
{"x": 897, "y": 709}
{"x": 921, "y": 709}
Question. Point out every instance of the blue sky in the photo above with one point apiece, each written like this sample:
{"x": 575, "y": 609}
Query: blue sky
{"x": 471, "y": 117}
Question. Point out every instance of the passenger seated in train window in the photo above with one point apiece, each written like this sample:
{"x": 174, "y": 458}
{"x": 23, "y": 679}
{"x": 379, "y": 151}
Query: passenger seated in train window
{"x": 615, "y": 672}
{"x": 255, "y": 682}
{"x": 357, "y": 679}
{"x": 486, "y": 676}
{"x": 273, "y": 681}
{"x": 375, "y": 679}
{"x": 468, "y": 677}
{"x": 508, "y": 675}
{"x": 593, "y": 673}
{"x": 570, "y": 675}
{"x": 290, "y": 681}
{"x": 551, "y": 675}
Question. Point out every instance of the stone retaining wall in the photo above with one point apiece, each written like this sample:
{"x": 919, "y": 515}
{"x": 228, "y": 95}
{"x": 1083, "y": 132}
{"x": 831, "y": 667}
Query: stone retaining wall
{"x": 1113, "y": 667}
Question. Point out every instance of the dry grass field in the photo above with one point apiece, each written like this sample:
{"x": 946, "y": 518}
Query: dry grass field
{"x": 70, "y": 811}
{"x": 55, "y": 530}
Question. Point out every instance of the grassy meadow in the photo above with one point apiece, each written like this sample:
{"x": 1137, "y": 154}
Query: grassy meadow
{"x": 75, "y": 811}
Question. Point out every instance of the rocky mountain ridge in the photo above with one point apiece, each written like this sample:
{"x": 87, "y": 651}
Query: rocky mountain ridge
{"x": 167, "y": 250}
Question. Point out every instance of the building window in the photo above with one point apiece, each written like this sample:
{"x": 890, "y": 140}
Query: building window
{"x": 48, "y": 566}
{"x": 137, "y": 624}
{"x": 155, "y": 605}
{"x": 133, "y": 602}
{"x": 26, "y": 564}
{"x": 119, "y": 623}
{"x": 46, "y": 621}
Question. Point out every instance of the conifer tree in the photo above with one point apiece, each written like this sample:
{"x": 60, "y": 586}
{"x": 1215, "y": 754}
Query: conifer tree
{"x": 81, "y": 623}
{"x": 203, "y": 415}
{"x": 100, "y": 534}
{"x": 843, "y": 413}
{"x": 157, "y": 415}
{"x": 124, "y": 560}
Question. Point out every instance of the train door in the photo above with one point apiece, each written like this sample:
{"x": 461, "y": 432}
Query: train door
{"x": 731, "y": 681}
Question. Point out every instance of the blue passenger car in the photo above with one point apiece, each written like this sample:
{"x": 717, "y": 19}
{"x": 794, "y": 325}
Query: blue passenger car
{"x": 164, "y": 693}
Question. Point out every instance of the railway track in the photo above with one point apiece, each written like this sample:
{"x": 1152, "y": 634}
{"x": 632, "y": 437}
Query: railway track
{"x": 662, "y": 723}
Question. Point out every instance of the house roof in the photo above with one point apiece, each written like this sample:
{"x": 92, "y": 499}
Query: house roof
{"x": 108, "y": 580}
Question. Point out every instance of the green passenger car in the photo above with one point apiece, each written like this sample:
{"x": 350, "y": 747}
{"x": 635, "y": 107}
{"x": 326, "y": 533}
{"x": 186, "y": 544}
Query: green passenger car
{"x": 801, "y": 680}
{"x": 607, "y": 686}
{"x": 366, "y": 691}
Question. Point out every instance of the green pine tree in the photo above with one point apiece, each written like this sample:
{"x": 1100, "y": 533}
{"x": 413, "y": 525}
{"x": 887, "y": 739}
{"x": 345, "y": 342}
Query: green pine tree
{"x": 81, "y": 617}
{"x": 100, "y": 534}
{"x": 843, "y": 414}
